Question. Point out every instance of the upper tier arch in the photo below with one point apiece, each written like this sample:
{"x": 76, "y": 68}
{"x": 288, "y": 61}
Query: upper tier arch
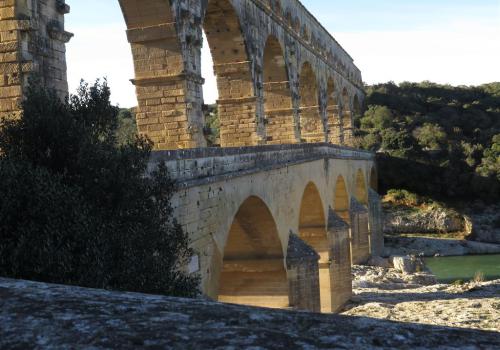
{"x": 166, "y": 39}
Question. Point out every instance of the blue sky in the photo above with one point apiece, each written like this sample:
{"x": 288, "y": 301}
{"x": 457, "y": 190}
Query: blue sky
{"x": 456, "y": 42}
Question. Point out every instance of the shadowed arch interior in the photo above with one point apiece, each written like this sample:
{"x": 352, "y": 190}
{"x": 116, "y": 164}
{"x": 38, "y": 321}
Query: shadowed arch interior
{"x": 361, "y": 192}
{"x": 311, "y": 124}
{"x": 347, "y": 122}
{"x": 237, "y": 102}
{"x": 280, "y": 126}
{"x": 253, "y": 269}
{"x": 334, "y": 123}
{"x": 312, "y": 230}
{"x": 341, "y": 199}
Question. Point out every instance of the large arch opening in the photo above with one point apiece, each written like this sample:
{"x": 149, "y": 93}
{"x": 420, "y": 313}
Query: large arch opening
{"x": 236, "y": 106}
{"x": 280, "y": 126}
{"x": 334, "y": 124}
{"x": 361, "y": 192}
{"x": 341, "y": 207}
{"x": 253, "y": 269}
{"x": 341, "y": 196}
{"x": 311, "y": 124}
{"x": 347, "y": 122}
{"x": 312, "y": 230}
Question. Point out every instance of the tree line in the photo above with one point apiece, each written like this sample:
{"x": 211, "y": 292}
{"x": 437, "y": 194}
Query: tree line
{"x": 433, "y": 139}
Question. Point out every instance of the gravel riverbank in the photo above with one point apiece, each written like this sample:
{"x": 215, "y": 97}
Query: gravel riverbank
{"x": 417, "y": 298}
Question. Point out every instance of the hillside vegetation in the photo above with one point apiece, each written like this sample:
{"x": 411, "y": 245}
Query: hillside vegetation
{"x": 435, "y": 140}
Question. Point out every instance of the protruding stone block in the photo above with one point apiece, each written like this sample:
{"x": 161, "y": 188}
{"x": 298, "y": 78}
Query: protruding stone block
{"x": 303, "y": 275}
{"x": 360, "y": 234}
{"x": 376, "y": 223}
{"x": 340, "y": 264}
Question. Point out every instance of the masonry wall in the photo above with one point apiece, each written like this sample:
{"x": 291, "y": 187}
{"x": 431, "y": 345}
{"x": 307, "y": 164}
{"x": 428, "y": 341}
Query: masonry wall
{"x": 32, "y": 43}
{"x": 166, "y": 40}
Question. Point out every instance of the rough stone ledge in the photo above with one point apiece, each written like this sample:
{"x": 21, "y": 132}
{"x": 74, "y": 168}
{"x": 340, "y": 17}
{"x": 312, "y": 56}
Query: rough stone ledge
{"x": 202, "y": 166}
{"x": 44, "y": 316}
{"x": 207, "y": 152}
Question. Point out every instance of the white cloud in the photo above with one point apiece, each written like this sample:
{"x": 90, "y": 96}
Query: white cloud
{"x": 97, "y": 52}
{"x": 462, "y": 53}
{"x": 103, "y": 51}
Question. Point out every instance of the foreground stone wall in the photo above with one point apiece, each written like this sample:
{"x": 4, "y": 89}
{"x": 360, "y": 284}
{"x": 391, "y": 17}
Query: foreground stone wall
{"x": 239, "y": 206}
{"x": 43, "y": 316}
{"x": 32, "y": 44}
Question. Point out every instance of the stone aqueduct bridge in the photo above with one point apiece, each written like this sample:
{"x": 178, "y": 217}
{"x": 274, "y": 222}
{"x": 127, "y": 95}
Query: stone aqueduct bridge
{"x": 279, "y": 213}
{"x": 251, "y": 209}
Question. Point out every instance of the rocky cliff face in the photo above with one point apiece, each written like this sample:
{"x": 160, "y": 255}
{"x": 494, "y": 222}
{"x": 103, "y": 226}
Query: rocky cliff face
{"x": 486, "y": 224}
{"x": 431, "y": 220}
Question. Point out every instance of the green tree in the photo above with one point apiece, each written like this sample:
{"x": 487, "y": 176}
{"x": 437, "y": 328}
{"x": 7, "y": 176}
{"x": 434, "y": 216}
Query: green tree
{"x": 430, "y": 136}
{"x": 127, "y": 128}
{"x": 76, "y": 207}
{"x": 490, "y": 164}
{"x": 398, "y": 143}
{"x": 377, "y": 117}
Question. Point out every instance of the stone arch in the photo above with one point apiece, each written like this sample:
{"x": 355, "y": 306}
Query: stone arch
{"x": 347, "y": 122}
{"x": 312, "y": 230}
{"x": 311, "y": 124}
{"x": 361, "y": 192}
{"x": 374, "y": 179}
{"x": 253, "y": 269}
{"x": 232, "y": 67}
{"x": 332, "y": 110}
{"x": 278, "y": 108}
{"x": 159, "y": 66}
{"x": 341, "y": 199}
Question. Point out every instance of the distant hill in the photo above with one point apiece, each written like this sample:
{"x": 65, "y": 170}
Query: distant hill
{"x": 435, "y": 139}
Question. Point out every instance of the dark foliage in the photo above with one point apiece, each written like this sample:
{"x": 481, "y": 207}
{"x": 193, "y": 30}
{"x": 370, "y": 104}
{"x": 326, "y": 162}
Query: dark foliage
{"x": 435, "y": 139}
{"x": 76, "y": 206}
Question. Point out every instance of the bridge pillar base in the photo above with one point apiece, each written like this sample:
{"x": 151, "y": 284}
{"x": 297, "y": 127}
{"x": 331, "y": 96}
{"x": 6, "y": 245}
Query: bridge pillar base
{"x": 340, "y": 266}
{"x": 303, "y": 275}
{"x": 360, "y": 234}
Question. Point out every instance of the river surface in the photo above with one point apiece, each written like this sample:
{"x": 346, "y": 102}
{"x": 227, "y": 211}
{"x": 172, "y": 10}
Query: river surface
{"x": 453, "y": 268}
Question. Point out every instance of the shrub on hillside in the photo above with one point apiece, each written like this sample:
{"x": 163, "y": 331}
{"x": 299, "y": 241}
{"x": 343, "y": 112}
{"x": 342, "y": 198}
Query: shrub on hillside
{"x": 76, "y": 206}
{"x": 435, "y": 140}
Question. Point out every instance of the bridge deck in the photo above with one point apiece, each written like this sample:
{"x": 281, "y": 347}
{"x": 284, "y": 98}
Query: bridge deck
{"x": 195, "y": 167}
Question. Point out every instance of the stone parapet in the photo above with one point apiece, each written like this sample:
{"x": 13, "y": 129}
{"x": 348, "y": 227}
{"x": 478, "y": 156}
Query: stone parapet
{"x": 190, "y": 167}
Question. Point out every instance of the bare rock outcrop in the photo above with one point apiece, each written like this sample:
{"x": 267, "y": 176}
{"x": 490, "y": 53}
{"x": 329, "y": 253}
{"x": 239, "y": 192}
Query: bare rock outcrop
{"x": 435, "y": 220}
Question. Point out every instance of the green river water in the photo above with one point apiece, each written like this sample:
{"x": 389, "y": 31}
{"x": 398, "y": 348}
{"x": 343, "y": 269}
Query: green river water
{"x": 453, "y": 268}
